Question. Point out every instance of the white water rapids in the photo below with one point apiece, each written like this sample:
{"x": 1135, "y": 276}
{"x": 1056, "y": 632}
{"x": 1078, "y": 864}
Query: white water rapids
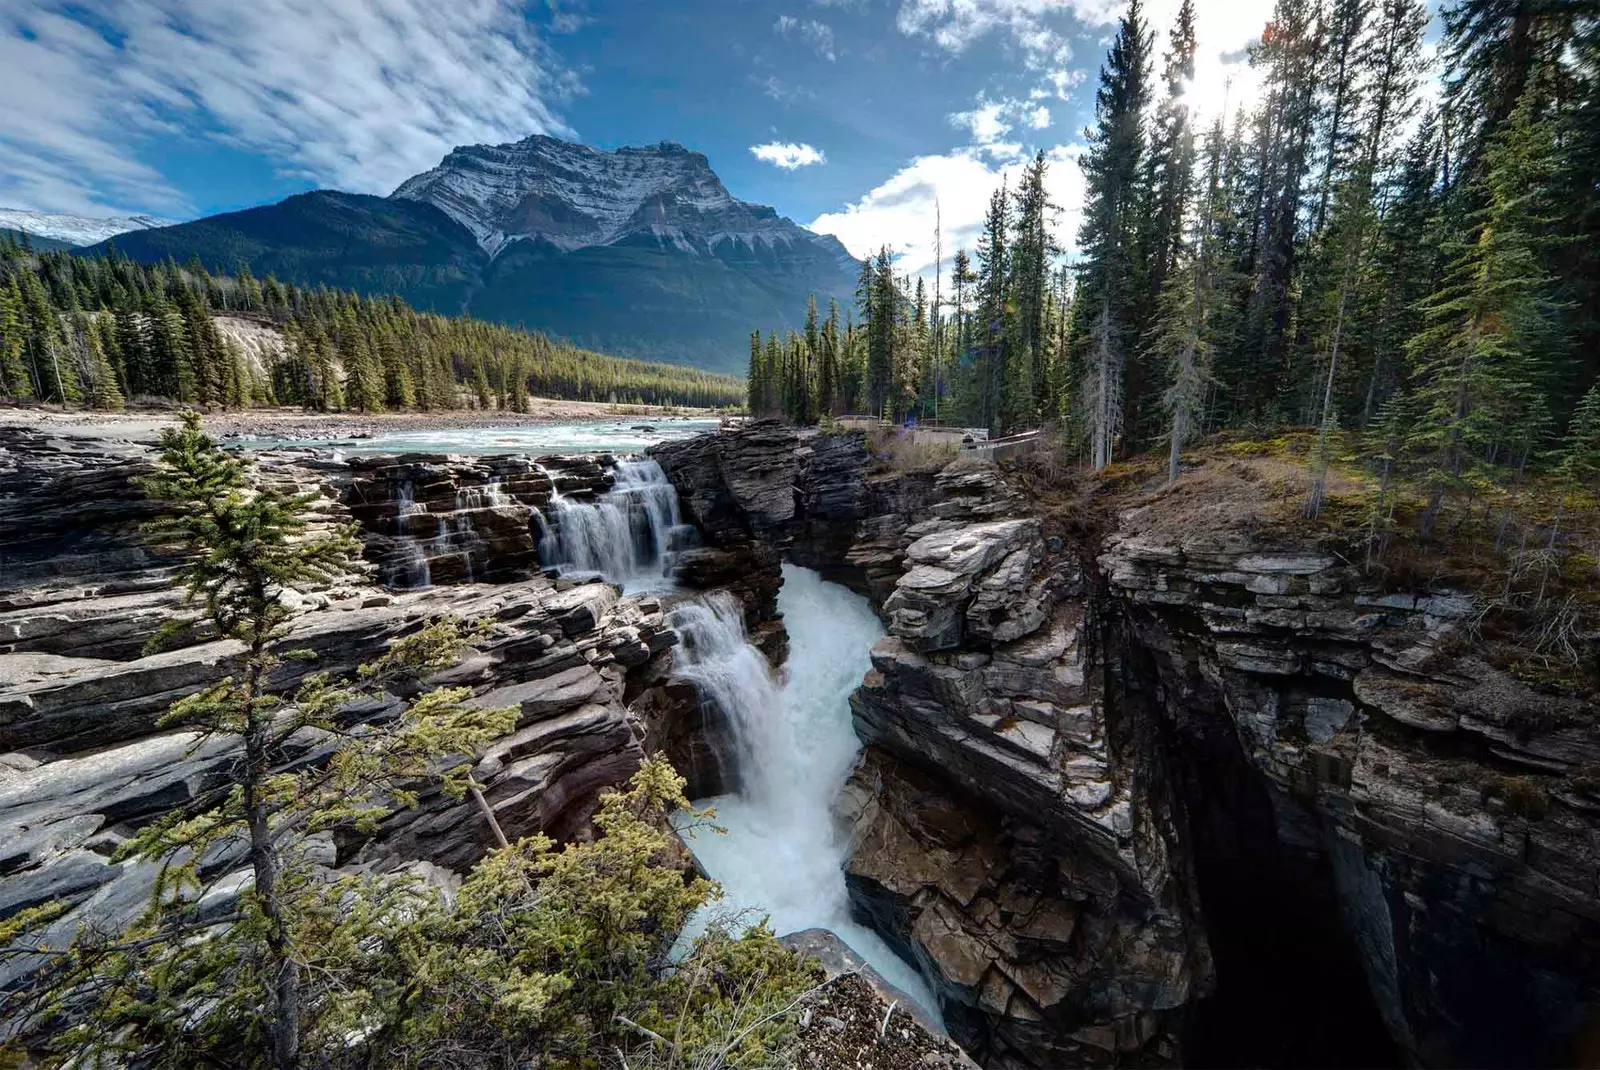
{"x": 781, "y": 857}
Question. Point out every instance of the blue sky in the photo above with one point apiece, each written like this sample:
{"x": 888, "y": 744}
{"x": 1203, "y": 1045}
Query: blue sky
{"x": 851, "y": 116}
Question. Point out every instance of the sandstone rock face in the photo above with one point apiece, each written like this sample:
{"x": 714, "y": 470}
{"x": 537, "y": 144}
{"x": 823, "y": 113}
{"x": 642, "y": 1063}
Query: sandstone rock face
{"x": 1036, "y": 954}
{"x": 562, "y": 663}
{"x": 992, "y": 822}
{"x": 76, "y": 578}
{"x": 738, "y": 488}
{"x": 429, "y": 518}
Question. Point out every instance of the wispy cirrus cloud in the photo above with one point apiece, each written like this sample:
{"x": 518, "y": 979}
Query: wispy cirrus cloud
{"x": 788, "y": 155}
{"x": 819, "y": 35}
{"x": 358, "y": 94}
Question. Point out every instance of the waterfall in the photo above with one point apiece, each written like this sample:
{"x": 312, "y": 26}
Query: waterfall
{"x": 491, "y": 495}
{"x": 626, "y": 535}
{"x": 794, "y": 745}
{"x": 410, "y": 563}
{"x": 407, "y": 565}
{"x": 714, "y": 654}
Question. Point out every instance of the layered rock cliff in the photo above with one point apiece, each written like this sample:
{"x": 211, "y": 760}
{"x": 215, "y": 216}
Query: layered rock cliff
{"x": 1149, "y": 792}
{"x": 84, "y": 760}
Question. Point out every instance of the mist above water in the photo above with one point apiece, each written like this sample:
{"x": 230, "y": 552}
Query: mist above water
{"x": 793, "y": 746}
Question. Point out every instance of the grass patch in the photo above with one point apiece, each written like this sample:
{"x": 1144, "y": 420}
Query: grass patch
{"x": 894, "y": 450}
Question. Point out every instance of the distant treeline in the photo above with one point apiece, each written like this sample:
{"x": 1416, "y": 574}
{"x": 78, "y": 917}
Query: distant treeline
{"x": 96, "y": 331}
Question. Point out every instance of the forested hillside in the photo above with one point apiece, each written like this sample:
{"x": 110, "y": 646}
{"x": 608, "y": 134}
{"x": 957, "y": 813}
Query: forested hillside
{"x": 1339, "y": 254}
{"x": 103, "y": 330}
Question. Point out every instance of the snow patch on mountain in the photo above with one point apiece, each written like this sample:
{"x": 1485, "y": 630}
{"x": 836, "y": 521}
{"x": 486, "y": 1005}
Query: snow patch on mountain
{"x": 573, "y": 196}
{"x": 75, "y": 229}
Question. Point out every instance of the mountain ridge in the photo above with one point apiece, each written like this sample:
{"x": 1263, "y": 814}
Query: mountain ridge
{"x": 75, "y": 230}
{"x": 638, "y": 251}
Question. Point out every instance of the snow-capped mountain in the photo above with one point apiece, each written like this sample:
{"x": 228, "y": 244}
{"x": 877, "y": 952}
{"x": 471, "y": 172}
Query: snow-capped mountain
{"x": 75, "y": 230}
{"x": 573, "y": 196}
{"x": 641, "y": 251}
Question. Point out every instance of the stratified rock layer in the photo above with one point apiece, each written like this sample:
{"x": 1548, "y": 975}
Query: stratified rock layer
{"x": 84, "y": 761}
{"x": 1127, "y": 792}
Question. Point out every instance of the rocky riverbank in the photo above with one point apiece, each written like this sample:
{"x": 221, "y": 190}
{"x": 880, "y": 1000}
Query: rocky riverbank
{"x": 85, "y": 761}
{"x": 144, "y": 426}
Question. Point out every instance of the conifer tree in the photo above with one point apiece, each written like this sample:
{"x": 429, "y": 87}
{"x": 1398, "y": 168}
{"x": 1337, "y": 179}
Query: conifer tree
{"x": 1110, "y": 272}
{"x": 993, "y": 264}
{"x": 55, "y": 377}
{"x": 363, "y": 380}
{"x": 1580, "y": 453}
{"x": 828, "y": 365}
{"x": 1032, "y": 250}
{"x": 755, "y": 384}
{"x": 1288, "y": 55}
{"x": 1182, "y": 336}
{"x": 244, "y": 550}
{"x": 878, "y": 320}
{"x": 1171, "y": 157}
{"x": 15, "y": 380}
{"x": 773, "y": 375}
{"x": 103, "y": 391}
{"x": 1488, "y": 341}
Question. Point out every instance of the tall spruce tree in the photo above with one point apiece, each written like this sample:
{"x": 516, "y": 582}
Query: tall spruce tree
{"x": 1491, "y": 329}
{"x": 990, "y": 335}
{"x": 1111, "y": 272}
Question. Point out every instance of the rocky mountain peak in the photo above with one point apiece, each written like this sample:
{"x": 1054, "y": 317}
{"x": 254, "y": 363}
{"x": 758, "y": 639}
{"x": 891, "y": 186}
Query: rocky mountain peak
{"x": 574, "y": 196}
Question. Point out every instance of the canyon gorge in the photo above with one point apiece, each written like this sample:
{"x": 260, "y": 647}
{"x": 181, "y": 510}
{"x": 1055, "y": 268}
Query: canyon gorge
{"x": 1102, "y": 783}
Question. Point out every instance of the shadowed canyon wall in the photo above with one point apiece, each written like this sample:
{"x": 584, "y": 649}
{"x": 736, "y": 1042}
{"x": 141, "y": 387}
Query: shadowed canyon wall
{"x": 1161, "y": 794}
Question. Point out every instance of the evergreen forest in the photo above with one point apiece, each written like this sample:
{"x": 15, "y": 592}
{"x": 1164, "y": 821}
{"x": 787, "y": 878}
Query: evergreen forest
{"x": 104, "y": 331}
{"x": 1342, "y": 255}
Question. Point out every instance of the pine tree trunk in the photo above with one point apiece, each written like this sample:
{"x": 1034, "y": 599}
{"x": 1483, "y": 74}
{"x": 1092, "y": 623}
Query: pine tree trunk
{"x": 283, "y": 1028}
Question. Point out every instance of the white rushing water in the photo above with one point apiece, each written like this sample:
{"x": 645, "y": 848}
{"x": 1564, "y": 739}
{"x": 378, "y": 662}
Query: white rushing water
{"x": 410, "y": 564}
{"x": 626, "y": 535}
{"x": 794, "y": 745}
{"x": 616, "y": 435}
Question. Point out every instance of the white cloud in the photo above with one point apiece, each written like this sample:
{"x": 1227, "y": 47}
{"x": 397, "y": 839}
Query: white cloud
{"x": 787, "y": 154}
{"x": 1038, "y": 28}
{"x": 819, "y": 35}
{"x": 358, "y": 94}
{"x": 989, "y": 121}
{"x": 985, "y": 120}
{"x": 900, "y": 212}
{"x": 1035, "y": 26}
